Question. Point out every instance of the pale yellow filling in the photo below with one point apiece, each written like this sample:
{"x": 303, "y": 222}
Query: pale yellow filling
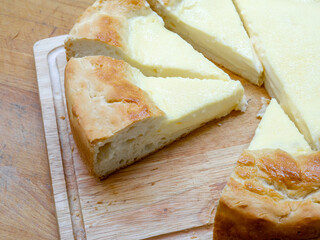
{"x": 276, "y": 130}
{"x": 215, "y": 28}
{"x": 286, "y": 37}
{"x": 189, "y": 103}
{"x": 159, "y": 52}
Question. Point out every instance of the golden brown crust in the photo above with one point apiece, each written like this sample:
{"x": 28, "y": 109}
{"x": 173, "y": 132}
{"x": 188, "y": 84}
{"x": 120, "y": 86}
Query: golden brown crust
{"x": 116, "y": 8}
{"x": 101, "y": 101}
{"x": 100, "y": 27}
{"x": 101, "y": 97}
{"x": 271, "y": 195}
{"x": 106, "y": 21}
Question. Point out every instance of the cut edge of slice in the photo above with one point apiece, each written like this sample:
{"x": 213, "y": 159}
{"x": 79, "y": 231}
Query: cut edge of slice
{"x": 112, "y": 36}
{"x": 277, "y": 131}
{"x": 250, "y": 69}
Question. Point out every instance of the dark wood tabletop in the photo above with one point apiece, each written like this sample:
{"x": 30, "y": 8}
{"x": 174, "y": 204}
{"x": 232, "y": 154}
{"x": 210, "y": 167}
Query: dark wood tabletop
{"x": 26, "y": 201}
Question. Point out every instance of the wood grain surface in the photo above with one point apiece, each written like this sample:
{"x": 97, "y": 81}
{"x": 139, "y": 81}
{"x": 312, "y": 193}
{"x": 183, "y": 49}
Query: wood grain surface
{"x": 27, "y": 209}
{"x": 26, "y": 201}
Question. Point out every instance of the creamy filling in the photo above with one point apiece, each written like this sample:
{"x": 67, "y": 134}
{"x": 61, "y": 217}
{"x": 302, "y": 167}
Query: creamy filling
{"x": 212, "y": 47}
{"x": 276, "y": 89}
{"x": 159, "y": 52}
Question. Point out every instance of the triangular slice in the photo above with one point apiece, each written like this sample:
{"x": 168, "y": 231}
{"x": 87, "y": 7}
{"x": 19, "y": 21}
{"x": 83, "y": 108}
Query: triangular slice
{"x": 272, "y": 193}
{"x": 118, "y": 115}
{"x": 131, "y": 31}
{"x": 214, "y": 28}
{"x": 189, "y": 103}
{"x": 276, "y": 130}
{"x": 286, "y": 36}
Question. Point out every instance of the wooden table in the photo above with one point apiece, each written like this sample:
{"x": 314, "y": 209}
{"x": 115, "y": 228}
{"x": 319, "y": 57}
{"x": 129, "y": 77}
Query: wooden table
{"x": 26, "y": 201}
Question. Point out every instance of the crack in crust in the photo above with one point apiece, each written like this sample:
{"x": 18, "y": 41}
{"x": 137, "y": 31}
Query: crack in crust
{"x": 271, "y": 195}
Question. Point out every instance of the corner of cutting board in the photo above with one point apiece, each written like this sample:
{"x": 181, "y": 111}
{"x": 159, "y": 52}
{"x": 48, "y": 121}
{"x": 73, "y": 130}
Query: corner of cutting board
{"x": 48, "y": 41}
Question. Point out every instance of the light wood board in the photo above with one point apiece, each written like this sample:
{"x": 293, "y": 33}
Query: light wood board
{"x": 171, "y": 194}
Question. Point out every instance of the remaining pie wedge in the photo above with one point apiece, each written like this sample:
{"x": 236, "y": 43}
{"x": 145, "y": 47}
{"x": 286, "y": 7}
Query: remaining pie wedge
{"x": 131, "y": 31}
{"x": 286, "y": 36}
{"x": 214, "y": 28}
{"x": 118, "y": 115}
{"x": 273, "y": 193}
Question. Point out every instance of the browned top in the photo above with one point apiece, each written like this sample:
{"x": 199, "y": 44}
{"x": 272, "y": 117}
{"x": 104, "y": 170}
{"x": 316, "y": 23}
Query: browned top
{"x": 102, "y": 99}
{"x": 273, "y": 193}
{"x": 101, "y": 27}
{"x": 106, "y": 21}
{"x": 291, "y": 177}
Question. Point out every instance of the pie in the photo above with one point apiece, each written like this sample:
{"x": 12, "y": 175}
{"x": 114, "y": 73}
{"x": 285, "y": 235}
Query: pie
{"x": 214, "y": 28}
{"x": 118, "y": 115}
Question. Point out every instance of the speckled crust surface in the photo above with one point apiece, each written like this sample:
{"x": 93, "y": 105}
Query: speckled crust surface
{"x": 101, "y": 102}
{"x": 271, "y": 195}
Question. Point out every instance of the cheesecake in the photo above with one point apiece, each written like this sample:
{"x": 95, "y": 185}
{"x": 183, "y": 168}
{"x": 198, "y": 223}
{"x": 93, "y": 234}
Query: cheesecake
{"x": 274, "y": 190}
{"x": 286, "y": 37}
{"x": 129, "y": 30}
{"x": 214, "y": 28}
{"x": 118, "y": 115}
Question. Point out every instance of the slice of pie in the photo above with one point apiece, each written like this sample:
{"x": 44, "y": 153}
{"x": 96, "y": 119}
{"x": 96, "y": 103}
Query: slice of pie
{"x": 118, "y": 115}
{"x": 214, "y": 28}
{"x": 286, "y": 37}
{"x": 131, "y": 31}
{"x": 276, "y": 130}
{"x": 273, "y": 193}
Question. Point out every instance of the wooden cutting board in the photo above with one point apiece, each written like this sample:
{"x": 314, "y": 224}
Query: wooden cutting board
{"x": 171, "y": 194}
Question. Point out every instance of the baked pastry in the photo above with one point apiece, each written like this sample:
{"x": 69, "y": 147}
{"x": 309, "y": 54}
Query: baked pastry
{"x": 285, "y": 35}
{"x": 131, "y": 31}
{"x": 272, "y": 193}
{"x": 117, "y": 115}
{"x": 214, "y": 28}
